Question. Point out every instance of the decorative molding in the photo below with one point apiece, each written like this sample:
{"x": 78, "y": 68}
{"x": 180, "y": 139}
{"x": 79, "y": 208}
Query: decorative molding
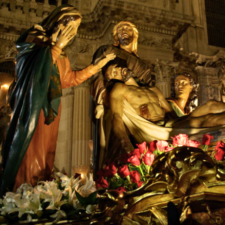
{"x": 8, "y": 36}
{"x": 106, "y": 12}
{"x": 156, "y": 41}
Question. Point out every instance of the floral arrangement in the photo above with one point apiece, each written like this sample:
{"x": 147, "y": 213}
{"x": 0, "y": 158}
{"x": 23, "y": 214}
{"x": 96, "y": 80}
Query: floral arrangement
{"x": 132, "y": 169}
{"x": 130, "y": 173}
{"x": 62, "y": 197}
{"x": 77, "y": 199}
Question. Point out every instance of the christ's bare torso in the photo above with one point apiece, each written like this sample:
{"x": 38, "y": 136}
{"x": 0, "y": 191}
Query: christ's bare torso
{"x": 145, "y": 102}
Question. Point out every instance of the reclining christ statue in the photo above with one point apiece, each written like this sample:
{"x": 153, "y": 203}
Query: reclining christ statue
{"x": 140, "y": 114}
{"x": 149, "y": 103}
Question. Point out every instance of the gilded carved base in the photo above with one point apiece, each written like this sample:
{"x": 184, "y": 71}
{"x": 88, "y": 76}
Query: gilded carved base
{"x": 187, "y": 177}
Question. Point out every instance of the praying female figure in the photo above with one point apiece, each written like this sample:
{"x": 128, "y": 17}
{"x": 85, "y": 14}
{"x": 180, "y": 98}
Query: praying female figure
{"x": 42, "y": 71}
{"x": 184, "y": 97}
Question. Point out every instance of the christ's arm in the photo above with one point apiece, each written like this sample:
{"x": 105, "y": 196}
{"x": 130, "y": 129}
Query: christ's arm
{"x": 117, "y": 96}
{"x": 164, "y": 104}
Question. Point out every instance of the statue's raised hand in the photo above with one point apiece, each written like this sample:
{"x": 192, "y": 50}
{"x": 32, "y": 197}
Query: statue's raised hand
{"x": 66, "y": 35}
{"x": 105, "y": 60}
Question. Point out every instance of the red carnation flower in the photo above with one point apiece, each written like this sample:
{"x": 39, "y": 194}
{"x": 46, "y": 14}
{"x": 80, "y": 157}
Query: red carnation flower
{"x": 153, "y": 146}
{"x": 101, "y": 182}
{"x": 142, "y": 147}
{"x": 193, "y": 143}
{"x": 139, "y": 184}
{"x": 134, "y": 176}
{"x": 123, "y": 171}
{"x": 181, "y": 139}
{"x": 220, "y": 145}
{"x": 110, "y": 170}
{"x": 161, "y": 145}
{"x": 136, "y": 152}
{"x": 121, "y": 189}
{"x": 207, "y": 139}
{"x": 168, "y": 149}
{"x": 219, "y": 154}
{"x": 220, "y": 150}
{"x": 148, "y": 158}
{"x": 134, "y": 160}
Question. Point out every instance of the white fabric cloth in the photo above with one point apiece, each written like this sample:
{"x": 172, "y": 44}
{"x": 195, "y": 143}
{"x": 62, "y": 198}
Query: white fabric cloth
{"x": 144, "y": 130}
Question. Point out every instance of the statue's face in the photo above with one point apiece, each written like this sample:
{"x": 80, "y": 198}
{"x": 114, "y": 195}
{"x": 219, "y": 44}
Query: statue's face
{"x": 116, "y": 73}
{"x": 72, "y": 32}
{"x": 182, "y": 86}
{"x": 125, "y": 34}
{"x": 75, "y": 24}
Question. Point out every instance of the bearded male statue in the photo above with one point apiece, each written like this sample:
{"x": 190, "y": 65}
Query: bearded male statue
{"x": 125, "y": 35}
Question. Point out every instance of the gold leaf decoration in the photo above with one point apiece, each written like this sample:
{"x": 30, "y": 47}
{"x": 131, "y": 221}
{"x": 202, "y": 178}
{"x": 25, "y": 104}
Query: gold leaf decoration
{"x": 185, "y": 181}
{"x": 160, "y": 214}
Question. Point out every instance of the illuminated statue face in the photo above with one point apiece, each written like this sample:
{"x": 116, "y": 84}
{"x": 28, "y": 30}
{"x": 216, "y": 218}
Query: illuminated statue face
{"x": 182, "y": 86}
{"x": 116, "y": 73}
{"x": 74, "y": 26}
{"x": 125, "y": 34}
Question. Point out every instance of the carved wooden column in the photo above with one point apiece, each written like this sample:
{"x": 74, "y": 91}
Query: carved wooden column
{"x": 81, "y": 127}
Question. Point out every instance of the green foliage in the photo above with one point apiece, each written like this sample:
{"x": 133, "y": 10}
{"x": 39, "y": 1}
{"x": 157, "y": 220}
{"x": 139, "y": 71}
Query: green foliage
{"x": 85, "y": 201}
{"x": 128, "y": 186}
{"x": 132, "y": 168}
{"x": 116, "y": 182}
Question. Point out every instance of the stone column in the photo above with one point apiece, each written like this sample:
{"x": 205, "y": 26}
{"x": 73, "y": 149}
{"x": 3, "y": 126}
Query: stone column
{"x": 64, "y": 140}
{"x": 81, "y": 127}
{"x": 208, "y": 84}
{"x": 164, "y": 87}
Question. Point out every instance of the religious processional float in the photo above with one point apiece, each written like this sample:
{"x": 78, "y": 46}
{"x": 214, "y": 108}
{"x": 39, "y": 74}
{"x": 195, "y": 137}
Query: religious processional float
{"x": 135, "y": 190}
